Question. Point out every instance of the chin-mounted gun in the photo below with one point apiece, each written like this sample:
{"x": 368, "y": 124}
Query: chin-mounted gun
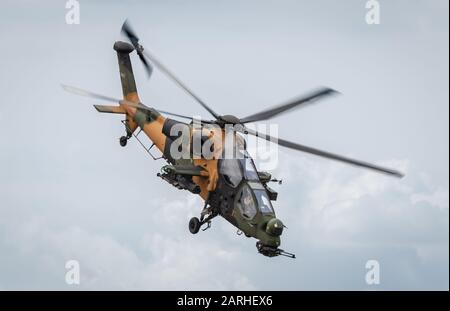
{"x": 270, "y": 251}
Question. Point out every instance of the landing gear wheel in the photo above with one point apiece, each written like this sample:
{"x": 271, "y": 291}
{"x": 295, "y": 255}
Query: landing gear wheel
{"x": 194, "y": 225}
{"x": 123, "y": 141}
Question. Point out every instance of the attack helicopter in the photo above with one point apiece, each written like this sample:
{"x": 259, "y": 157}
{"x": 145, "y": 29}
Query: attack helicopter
{"x": 232, "y": 188}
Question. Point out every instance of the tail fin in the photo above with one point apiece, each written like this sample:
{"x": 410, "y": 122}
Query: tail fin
{"x": 129, "y": 89}
{"x": 123, "y": 50}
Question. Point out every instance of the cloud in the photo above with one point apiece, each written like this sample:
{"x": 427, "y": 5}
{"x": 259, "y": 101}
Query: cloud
{"x": 439, "y": 198}
{"x": 339, "y": 209}
{"x": 161, "y": 260}
{"x": 338, "y": 217}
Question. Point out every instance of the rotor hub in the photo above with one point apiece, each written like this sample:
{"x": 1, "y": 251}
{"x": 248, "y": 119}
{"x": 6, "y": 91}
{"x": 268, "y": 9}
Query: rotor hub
{"x": 230, "y": 119}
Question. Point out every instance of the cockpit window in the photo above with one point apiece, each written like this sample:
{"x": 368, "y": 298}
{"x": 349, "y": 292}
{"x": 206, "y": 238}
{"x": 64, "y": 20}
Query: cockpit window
{"x": 246, "y": 203}
{"x": 263, "y": 202}
{"x": 231, "y": 171}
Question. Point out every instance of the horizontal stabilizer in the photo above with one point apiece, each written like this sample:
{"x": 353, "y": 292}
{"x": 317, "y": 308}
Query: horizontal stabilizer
{"x": 109, "y": 109}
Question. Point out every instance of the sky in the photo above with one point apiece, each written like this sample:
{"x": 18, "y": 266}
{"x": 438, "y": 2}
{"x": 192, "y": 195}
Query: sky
{"x": 68, "y": 191}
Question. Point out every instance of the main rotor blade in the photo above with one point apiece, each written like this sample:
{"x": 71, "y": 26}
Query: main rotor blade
{"x": 85, "y": 93}
{"x": 277, "y": 110}
{"x": 180, "y": 116}
{"x": 128, "y": 31}
{"x": 169, "y": 74}
{"x": 324, "y": 154}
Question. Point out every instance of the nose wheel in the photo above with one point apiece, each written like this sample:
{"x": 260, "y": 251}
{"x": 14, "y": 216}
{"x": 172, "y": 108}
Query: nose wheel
{"x": 123, "y": 141}
{"x": 206, "y": 216}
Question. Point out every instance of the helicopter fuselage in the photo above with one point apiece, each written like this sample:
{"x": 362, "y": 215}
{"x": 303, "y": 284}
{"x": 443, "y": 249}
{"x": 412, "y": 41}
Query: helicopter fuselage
{"x": 231, "y": 187}
{"x": 198, "y": 153}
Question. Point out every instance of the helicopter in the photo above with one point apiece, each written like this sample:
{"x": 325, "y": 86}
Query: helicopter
{"x": 231, "y": 187}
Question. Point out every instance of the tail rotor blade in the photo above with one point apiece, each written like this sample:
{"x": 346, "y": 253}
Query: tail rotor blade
{"x": 129, "y": 32}
{"x": 147, "y": 66}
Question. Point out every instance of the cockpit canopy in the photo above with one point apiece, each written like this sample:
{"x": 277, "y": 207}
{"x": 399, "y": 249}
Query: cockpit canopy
{"x": 236, "y": 170}
{"x": 251, "y": 198}
{"x": 242, "y": 175}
